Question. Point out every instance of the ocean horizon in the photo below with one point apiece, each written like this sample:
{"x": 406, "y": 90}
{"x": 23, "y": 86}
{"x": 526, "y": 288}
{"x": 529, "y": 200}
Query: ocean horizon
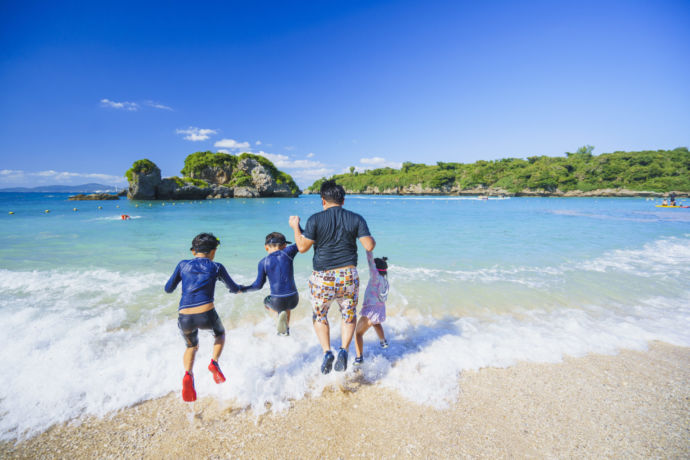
{"x": 474, "y": 284}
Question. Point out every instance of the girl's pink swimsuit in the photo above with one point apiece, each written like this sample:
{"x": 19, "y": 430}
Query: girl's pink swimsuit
{"x": 374, "y": 304}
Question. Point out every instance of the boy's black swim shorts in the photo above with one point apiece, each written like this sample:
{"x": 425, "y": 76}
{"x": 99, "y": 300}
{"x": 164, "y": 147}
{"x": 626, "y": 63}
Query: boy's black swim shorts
{"x": 190, "y": 324}
{"x": 282, "y": 303}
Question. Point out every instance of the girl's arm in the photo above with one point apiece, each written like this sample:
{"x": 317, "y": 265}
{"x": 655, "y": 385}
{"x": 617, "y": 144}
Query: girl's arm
{"x": 373, "y": 272}
{"x": 174, "y": 280}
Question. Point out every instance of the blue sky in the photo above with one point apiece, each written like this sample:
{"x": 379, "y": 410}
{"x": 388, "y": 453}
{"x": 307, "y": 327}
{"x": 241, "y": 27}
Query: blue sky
{"x": 86, "y": 88}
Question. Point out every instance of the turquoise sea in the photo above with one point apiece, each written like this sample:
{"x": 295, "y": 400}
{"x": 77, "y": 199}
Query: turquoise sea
{"x": 475, "y": 283}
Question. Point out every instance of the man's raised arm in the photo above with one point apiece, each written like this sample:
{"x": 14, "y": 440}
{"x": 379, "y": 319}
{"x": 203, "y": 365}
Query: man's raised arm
{"x": 303, "y": 243}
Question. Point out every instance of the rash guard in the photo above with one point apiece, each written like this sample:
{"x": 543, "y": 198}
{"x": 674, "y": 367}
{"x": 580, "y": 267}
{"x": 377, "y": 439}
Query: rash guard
{"x": 198, "y": 278}
{"x": 277, "y": 267}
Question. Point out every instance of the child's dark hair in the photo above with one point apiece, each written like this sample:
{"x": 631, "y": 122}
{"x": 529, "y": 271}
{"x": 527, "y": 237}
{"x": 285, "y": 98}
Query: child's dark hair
{"x": 332, "y": 192}
{"x": 204, "y": 243}
{"x": 276, "y": 239}
{"x": 382, "y": 265}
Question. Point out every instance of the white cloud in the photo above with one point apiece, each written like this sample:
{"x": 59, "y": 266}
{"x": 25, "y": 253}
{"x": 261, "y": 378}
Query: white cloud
{"x": 284, "y": 162}
{"x": 18, "y": 178}
{"x": 232, "y": 144}
{"x": 372, "y": 161}
{"x": 304, "y": 172}
{"x": 196, "y": 134}
{"x": 377, "y": 162}
{"x": 290, "y": 148}
{"x": 257, "y": 143}
{"x": 310, "y": 155}
{"x": 222, "y": 151}
{"x": 130, "y": 106}
{"x": 156, "y": 105}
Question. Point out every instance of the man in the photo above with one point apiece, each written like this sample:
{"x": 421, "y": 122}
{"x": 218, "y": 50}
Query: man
{"x": 333, "y": 233}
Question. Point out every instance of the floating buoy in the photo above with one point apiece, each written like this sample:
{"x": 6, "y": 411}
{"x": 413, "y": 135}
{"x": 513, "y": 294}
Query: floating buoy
{"x": 150, "y": 205}
{"x": 47, "y": 211}
{"x": 11, "y": 212}
{"x": 173, "y": 204}
{"x": 75, "y": 209}
{"x": 100, "y": 207}
{"x": 136, "y": 205}
{"x": 124, "y": 217}
{"x": 117, "y": 206}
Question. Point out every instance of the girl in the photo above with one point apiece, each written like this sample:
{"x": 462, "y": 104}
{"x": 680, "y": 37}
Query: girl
{"x": 374, "y": 306}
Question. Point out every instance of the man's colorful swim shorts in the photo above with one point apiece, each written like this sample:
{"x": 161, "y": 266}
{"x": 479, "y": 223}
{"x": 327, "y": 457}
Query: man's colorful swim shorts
{"x": 341, "y": 285}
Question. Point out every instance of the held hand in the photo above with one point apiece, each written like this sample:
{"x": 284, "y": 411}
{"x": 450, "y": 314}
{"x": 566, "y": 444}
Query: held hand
{"x": 294, "y": 222}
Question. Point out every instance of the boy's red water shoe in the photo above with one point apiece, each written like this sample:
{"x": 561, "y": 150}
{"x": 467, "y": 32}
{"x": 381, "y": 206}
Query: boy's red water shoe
{"x": 188, "y": 391}
{"x": 218, "y": 376}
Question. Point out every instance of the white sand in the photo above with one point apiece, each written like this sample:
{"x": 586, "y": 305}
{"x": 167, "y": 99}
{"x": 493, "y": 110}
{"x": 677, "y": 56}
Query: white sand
{"x": 633, "y": 405}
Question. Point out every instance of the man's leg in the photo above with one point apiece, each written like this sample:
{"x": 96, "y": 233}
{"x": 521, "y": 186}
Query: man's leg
{"x": 347, "y": 331}
{"x": 348, "y": 307}
{"x": 323, "y": 333}
{"x": 321, "y": 298}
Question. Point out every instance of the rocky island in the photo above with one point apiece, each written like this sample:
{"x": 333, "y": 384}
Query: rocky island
{"x": 208, "y": 175}
{"x": 580, "y": 174}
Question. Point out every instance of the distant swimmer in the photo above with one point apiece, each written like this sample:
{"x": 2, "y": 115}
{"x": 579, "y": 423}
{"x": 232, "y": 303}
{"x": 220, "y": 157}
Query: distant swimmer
{"x": 664, "y": 202}
{"x": 125, "y": 217}
{"x": 196, "y": 310}
{"x": 373, "y": 311}
{"x": 277, "y": 268}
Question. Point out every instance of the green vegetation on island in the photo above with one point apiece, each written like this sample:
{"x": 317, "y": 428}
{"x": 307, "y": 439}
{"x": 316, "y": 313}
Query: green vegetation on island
{"x": 657, "y": 171}
{"x": 212, "y": 175}
{"x": 144, "y": 166}
{"x": 199, "y": 163}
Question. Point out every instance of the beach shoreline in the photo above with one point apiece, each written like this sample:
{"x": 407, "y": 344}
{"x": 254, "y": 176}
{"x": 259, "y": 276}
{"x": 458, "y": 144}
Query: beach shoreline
{"x": 633, "y": 404}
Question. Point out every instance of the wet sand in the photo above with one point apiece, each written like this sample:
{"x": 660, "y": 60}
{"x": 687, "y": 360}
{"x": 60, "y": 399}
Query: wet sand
{"x": 632, "y": 405}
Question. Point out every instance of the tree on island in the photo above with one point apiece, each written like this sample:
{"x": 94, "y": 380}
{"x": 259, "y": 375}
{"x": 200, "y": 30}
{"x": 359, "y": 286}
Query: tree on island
{"x": 658, "y": 171}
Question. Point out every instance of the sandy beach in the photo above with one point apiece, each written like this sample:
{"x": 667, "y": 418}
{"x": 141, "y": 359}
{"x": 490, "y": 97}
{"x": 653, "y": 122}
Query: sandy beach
{"x": 631, "y": 405}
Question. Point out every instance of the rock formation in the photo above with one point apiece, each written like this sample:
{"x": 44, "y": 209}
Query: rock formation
{"x": 94, "y": 196}
{"x": 248, "y": 178}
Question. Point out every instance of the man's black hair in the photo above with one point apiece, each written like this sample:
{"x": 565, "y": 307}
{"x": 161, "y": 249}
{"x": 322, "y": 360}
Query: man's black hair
{"x": 204, "y": 243}
{"x": 332, "y": 192}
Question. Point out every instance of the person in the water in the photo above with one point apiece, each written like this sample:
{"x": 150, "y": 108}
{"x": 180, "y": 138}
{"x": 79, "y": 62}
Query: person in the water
{"x": 277, "y": 267}
{"x": 374, "y": 306}
{"x": 333, "y": 233}
{"x": 196, "y": 310}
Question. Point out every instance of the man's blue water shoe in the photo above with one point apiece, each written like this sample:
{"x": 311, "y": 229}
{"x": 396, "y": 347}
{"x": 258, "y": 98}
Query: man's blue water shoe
{"x": 341, "y": 362}
{"x": 327, "y": 363}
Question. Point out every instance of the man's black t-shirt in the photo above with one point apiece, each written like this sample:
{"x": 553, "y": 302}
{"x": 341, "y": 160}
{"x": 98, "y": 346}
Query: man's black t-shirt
{"x": 335, "y": 232}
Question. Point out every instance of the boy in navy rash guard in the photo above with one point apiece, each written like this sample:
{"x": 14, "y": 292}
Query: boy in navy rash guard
{"x": 277, "y": 267}
{"x": 196, "y": 310}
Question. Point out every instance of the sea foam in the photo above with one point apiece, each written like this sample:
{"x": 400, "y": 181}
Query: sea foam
{"x": 95, "y": 341}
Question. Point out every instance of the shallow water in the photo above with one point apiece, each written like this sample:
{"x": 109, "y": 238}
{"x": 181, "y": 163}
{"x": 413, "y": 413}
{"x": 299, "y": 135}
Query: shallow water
{"x": 474, "y": 283}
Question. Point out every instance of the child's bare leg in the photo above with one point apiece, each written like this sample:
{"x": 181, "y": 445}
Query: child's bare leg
{"x": 288, "y": 317}
{"x": 188, "y": 358}
{"x": 218, "y": 345}
{"x": 379, "y": 331}
{"x": 362, "y": 326}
